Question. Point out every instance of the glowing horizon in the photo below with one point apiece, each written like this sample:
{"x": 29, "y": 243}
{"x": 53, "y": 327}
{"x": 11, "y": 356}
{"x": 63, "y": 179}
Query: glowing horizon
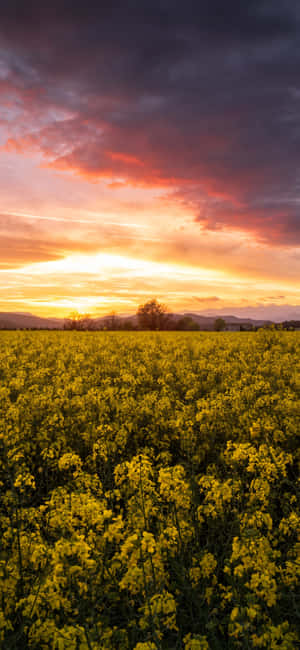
{"x": 55, "y": 288}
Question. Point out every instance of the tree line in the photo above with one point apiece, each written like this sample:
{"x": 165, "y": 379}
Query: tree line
{"x": 152, "y": 315}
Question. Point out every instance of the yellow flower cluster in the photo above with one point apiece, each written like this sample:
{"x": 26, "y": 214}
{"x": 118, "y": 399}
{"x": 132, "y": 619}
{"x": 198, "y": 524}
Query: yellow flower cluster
{"x": 149, "y": 491}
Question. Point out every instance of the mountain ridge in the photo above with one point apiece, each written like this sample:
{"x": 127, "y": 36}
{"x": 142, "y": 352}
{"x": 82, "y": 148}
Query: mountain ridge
{"x": 19, "y": 320}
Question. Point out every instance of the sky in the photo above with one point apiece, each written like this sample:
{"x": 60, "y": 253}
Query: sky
{"x": 150, "y": 149}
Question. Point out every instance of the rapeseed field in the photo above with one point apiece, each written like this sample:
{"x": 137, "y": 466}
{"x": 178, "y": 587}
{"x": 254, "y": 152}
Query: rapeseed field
{"x": 149, "y": 490}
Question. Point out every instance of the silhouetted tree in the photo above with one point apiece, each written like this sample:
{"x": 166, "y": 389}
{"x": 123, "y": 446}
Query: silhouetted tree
{"x": 219, "y": 325}
{"x": 187, "y": 323}
{"x": 291, "y": 324}
{"x": 112, "y": 322}
{"x": 77, "y": 321}
{"x": 153, "y": 315}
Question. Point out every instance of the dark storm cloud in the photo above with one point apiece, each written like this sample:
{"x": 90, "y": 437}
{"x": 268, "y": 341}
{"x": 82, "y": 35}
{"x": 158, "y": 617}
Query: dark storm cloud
{"x": 203, "y": 98}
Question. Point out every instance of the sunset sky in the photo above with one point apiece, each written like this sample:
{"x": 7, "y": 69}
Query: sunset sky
{"x": 150, "y": 149}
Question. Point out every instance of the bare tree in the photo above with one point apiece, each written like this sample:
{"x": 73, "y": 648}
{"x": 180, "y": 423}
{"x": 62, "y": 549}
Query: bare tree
{"x": 78, "y": 321}
{"x": 153, "y": 315}
{"x": 112, "y": 322}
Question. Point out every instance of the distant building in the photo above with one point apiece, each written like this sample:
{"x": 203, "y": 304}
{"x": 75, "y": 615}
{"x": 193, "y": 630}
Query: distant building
{"x": 232, "y": 327}
{"x": 238, "y": 327}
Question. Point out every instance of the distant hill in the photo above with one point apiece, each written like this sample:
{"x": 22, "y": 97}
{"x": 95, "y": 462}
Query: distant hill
{"x": 208, "y": 321}
{"x": 271, "y": 312}
{"x": 17, "y": 320}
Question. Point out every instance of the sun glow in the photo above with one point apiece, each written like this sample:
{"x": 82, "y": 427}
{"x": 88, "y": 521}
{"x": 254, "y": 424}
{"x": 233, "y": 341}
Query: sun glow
{"x": 105, "y": 282}
{"x": 105, "y": 263}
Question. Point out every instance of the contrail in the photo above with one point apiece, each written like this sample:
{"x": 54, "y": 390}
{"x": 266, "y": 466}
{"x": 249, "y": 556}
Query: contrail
{"x": 71, "y": 220}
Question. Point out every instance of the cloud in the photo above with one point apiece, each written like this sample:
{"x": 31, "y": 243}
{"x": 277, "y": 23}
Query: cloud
{"x": 206, "y": 299}
{"x": 26, "y": 238}
{"x": 200, "y": 100}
